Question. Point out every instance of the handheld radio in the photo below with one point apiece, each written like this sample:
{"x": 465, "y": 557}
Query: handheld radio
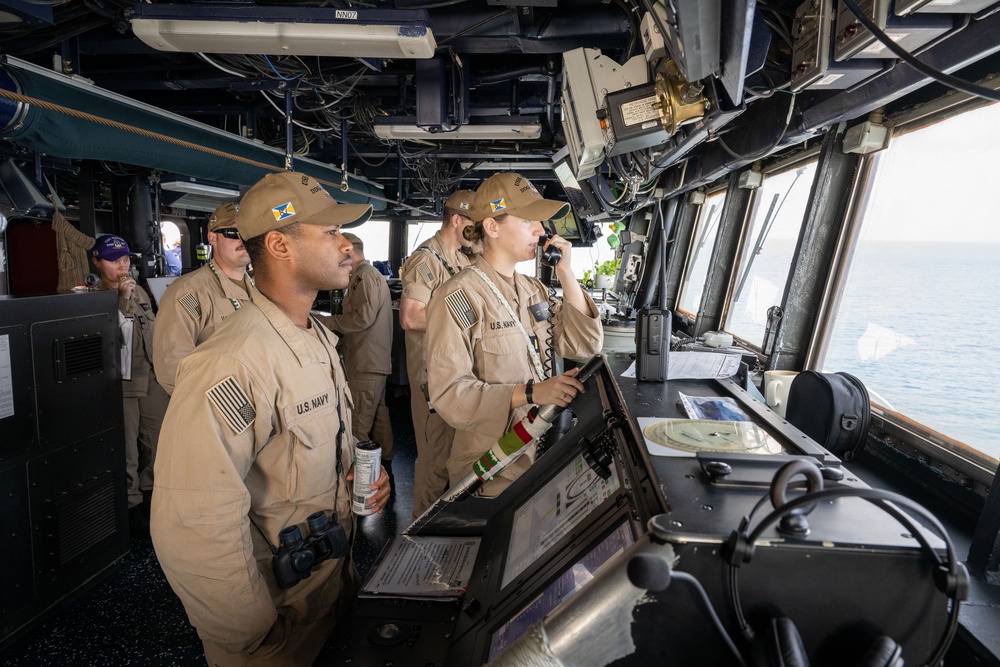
{"x": 652, "y": 326}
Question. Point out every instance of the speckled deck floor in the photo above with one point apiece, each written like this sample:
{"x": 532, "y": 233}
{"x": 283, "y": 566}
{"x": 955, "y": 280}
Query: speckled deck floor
{"x": 132, "y": 617}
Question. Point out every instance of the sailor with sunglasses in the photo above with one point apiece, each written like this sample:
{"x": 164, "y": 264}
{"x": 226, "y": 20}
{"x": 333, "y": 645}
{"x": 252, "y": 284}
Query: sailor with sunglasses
{"x": 196, "y": 304}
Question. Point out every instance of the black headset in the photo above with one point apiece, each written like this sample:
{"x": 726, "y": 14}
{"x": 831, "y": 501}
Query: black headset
{"x": 780, "y": 644}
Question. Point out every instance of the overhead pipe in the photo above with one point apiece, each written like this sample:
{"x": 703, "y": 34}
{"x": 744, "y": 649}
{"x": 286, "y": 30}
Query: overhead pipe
{"x": 66, "y": 117}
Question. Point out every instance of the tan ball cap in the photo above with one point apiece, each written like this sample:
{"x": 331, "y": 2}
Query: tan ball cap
{"x": 282, "y": 199}
{"x": 222, "y": 217}
{"x": 513, "y": 194}
{"x": 461, "y": 200}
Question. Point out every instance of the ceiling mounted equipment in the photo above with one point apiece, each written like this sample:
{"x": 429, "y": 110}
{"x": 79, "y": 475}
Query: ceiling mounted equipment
{"x": 528, "y": 129}
{"x": 297, "y": 31}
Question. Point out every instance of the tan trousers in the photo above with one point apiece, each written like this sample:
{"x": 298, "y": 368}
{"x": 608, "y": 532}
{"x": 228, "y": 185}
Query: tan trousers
{"x": 434, "y": 436}
{"x": 287, "y": 645}
{"x": 371, "y": 419}
{"x": 291, "y": 644}
{"x": 143, "y": 419}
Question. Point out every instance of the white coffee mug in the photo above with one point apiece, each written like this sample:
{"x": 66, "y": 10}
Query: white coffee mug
{"x": 776, "y": 386}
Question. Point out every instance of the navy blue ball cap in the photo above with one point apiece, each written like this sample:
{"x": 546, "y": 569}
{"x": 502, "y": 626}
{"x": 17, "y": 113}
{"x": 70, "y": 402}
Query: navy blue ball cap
{"x": 110, "y": 248}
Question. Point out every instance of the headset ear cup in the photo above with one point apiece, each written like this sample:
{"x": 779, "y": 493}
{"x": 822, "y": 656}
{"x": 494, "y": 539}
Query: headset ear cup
{"x": 884, "y": 652}
{"x": 784, "y": 645}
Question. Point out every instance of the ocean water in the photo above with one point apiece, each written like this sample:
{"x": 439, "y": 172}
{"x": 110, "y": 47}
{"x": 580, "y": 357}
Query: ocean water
{"x": 919, "y": 324}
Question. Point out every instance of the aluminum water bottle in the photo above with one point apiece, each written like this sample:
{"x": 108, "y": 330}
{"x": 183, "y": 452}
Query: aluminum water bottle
{"x": 367, "y": 468}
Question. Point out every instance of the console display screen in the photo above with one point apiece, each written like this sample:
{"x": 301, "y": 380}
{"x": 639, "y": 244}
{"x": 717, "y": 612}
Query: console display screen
{"x": 568, "y": 583}
{"x": 565, "y": 227}
{"x": 555, "y": 510}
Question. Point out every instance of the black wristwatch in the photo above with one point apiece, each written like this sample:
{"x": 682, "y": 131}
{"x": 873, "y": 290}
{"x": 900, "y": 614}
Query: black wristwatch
{"x": 527, "y": 391}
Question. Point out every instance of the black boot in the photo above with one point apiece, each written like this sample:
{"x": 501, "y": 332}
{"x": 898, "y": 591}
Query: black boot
{"x": 138, "y": 522}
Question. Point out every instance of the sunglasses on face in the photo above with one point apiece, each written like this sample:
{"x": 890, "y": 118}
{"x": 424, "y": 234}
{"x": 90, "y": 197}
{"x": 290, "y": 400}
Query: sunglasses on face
{"x": 229, "y": 233}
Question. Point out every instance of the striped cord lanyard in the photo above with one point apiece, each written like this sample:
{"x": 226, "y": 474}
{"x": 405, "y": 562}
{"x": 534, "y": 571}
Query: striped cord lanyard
{"x": 535, "y": 360}
{"x": 451, "y": 271}
{"x": 342, "y": 428}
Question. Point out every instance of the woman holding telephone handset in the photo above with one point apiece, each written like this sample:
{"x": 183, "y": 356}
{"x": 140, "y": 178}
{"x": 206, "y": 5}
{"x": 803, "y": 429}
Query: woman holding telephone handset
{"x": 492, "y": 332}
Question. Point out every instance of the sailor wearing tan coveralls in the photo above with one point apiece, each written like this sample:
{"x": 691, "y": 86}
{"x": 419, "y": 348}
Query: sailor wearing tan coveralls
{"x": 257, "y": 438}
{"x": 366, "y": 325}
{"x": 435, "y": 261}
{"x": 196, "y": 304}
{"x": 145, "y": 401}
{"x": 487, "y": 327}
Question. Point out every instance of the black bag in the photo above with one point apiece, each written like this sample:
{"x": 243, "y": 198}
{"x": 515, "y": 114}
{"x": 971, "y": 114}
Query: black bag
{"x": 831, "y": 408}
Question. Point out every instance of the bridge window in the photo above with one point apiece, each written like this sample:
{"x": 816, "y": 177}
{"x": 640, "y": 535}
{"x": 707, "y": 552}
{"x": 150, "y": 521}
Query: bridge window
{"x": 918, "y": 318}
{"x": 418, "y": 232}
{"x": 767, "y": 255}
{"x": 705, "y": 232}
{"x": 375, "y": 235}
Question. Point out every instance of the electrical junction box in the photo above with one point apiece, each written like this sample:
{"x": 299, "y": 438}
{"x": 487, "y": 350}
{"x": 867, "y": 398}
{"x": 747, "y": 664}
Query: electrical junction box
{"x": 813, "y": 66}
{"x": 853, "y": 40}
{"x": 866, "y": 138}
{"x": 631, "y": 120}
{"x": 588, "y": 77}
{"x": 652, "y": 39}
{"x": 750, "y": 180}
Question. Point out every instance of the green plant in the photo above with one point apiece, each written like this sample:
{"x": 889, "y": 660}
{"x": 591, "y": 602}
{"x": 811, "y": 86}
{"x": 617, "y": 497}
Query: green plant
{"x": 607, "y": 268}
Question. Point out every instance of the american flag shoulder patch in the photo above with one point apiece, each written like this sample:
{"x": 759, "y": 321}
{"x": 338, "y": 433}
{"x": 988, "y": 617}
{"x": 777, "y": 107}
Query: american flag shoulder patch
{"x": 425, "y": 272}
{"x": 461, "y": 308}
{"x": 232, "y": 404}
{"x": 190, "y": 303}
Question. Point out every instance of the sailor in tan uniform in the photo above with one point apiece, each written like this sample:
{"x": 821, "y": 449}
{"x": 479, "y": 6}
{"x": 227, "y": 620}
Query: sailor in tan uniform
{"x": 195, "y": 304}
{"x": 366, "y": 325}
{"x": 488, "y": 326}
{"x": 435, "y": 261}
{"x": 145, "y": 401}
{"x": 257, "y": 438}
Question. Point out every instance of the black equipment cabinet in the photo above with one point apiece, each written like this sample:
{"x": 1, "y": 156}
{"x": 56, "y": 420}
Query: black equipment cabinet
{"x": 856, "y": 574}
{"x": 62, "y": 460}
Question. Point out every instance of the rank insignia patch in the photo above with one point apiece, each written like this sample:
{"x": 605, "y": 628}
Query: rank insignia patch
{"x": 232, "y": 403}
{"x": 461, "y": 309}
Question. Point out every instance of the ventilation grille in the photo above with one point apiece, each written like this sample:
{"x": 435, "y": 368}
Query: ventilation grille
{"x": 78, "y": 356}
{"x": 84, "y": 516}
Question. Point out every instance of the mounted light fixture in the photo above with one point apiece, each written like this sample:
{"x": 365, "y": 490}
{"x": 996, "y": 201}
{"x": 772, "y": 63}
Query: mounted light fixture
{"x": 509, "y": 131}
{"x": 194, "y": 187}
{"x": 298, "y": 31}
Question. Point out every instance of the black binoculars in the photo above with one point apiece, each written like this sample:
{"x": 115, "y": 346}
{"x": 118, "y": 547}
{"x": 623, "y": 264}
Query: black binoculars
{"x": 297, "y": 556}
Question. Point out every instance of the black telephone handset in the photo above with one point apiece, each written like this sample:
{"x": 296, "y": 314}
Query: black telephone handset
{"x": 550, "y": 255}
